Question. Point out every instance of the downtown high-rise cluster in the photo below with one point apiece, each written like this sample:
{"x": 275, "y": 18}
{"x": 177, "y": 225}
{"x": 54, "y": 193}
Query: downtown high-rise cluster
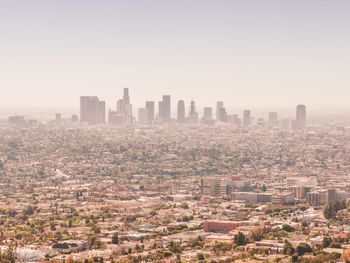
{"x": 92, "y": 112}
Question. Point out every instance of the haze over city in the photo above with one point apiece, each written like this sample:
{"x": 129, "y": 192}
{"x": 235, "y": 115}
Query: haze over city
{"x": 174, "y": 131}
{"x": 248, "y": 53}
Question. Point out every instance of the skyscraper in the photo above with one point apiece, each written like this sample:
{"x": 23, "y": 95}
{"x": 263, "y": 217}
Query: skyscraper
{"x": 124, "y": 108}
{"x": 207, "y": 116}
{"x": 219, "y": 105}
{"x": 301, "y": 117}
{"x": 164, "y": 109}
{"x": 181, "y": 111}
{"x": 150, "y": 111}
{"x": 92, "y": 110}
{"x": 246, "y": 118}
{"x": 223, "y": 115}
{"x": 126, "y": 96}
{"x": 193, "y": 115}
{"x": 115, "y": 118}
{"x": 208, "y": 113}
{"x": 236, "y": 120}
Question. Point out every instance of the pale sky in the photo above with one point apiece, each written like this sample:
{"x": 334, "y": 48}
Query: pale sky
{"x": 247, "y": 52}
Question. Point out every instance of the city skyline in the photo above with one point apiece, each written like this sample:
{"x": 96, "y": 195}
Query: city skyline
{"x": 93, "y": 111}
{"x": 175, "y": 131}
{"x": 246, "y": 53}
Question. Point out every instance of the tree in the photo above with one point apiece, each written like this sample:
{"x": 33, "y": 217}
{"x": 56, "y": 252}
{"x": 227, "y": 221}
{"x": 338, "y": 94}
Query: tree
{"x": 222, "y": 247}
{"x": 240, "y": 239}
{"x": 186, "y": 219}
{"x": 174, "y": 247}
{"x": 9, "y": 256}
{"x": 200, "y": 256}
{"x": 288, "y": 248}
{"x": 295, "y": 258}
{"x": 184, "y": 205}
{"x": 257, "y": 233}
{"x": 331, "y": 209}
{"x": 304, "y": 224}
{"x": 195, "y": 242}
{"x": 167, "y": 253}
{"x": 335, "y": 245}
{"x": 153, "y": 213}
{"x": 303, "y": 248}
{"x": 137, "y": 247}
{"x": 52, "y": 226}
{"x": 287, "y": 228}
{"x": 115, "y": 239}
{"x": 28, "y": 211}
{"x": 264, "y": 188}
{"x": 12, "y": 213}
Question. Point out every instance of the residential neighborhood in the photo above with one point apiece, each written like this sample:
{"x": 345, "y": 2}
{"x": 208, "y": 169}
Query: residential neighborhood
{"x": 174, "y": 194}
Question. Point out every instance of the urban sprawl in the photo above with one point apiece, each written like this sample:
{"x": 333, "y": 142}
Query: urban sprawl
{"x": 162, "y": 189}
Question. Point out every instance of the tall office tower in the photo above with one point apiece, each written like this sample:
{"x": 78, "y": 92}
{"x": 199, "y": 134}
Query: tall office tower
{"x": 124, "y": 108}
{"x": 92, "y": 110}
{"x": 273, "y": 118}
{"x": 246, "y": 118}
{"x": 208, "y": 113}
{"x": 84, "y": 109}
{"x": 120, "y": 106}
{"x": 192, "y": 107}
{"x": 193, "y": 115}
{"x": 210, "y": 186}
{"x": 208, "y": 116}
{"x": 150, "y": 111}
{"x": 143, "y": 116}
{"x": 236, "y": 120}
{"x": 126, "y": 98}
{"x": 164, "y": 109}
{"x": 17, "y": 120}
{"x": 128, "y": 118}
{"x": 301, "y": 117}
{"x": 219, "y": 105}
{"x": 181, "y": 111}
{"x": 115, "y": 118}
{"x": 223, "y": 115}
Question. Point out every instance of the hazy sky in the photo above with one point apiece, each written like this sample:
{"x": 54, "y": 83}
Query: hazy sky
{"x": 245, "y": 52}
